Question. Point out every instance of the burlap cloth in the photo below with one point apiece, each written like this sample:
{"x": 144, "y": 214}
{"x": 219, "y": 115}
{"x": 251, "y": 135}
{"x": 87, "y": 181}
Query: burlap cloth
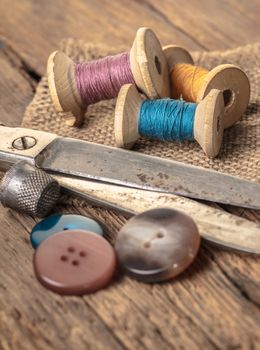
{"x": 240, "y": 151}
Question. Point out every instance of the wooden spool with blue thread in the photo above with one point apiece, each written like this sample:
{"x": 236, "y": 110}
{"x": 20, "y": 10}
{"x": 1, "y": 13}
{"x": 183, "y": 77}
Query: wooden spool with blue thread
{"x": 147, "y": 63}
{"x": 208, "y": 120}
{"x": 228, "y": 78}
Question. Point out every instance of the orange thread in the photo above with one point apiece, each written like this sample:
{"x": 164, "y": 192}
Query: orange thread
{"x": 186, "y": 81}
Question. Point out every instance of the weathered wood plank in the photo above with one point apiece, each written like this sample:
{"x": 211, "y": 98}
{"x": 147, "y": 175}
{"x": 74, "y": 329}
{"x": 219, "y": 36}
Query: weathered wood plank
{"x": 110, "y": 22}
{"x": 201, "y": 308}
{"x": 16, "y": 86}
{"x": 214, "y": 24}
{"x": 32, "y": 317}
{"x": 215, "y": 304}
{"x": 195, "y": 25}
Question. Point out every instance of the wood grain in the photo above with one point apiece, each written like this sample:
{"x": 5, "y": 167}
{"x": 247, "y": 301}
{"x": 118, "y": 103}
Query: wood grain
{"x": 202, "y": 308}
{"x": 16, "y": 85}
{"x": 199, "y": 25}
{"x": 210, "y": 23}
{"x": 215, "y": 304}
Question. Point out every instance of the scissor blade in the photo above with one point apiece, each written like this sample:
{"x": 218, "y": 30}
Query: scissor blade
{"x": 214, "y": 225}
{"x": 137, "y": 170}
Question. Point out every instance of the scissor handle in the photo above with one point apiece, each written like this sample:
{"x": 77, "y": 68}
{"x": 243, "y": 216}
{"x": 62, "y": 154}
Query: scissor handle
{"x": 21, "y": 144}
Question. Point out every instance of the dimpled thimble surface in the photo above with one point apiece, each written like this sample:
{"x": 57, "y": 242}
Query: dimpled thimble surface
{"x": 157, "y": 244}
{"x": 29, "y": 190}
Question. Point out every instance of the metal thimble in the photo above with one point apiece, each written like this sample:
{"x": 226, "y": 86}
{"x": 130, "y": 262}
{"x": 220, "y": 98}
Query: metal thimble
{"x": 28, "y": 189}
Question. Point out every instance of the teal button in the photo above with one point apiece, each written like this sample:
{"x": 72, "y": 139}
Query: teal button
{"x": 61, "y": 222}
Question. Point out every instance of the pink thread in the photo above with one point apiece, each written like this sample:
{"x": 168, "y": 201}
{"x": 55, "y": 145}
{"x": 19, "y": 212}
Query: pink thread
{"x": 102, "y": 79}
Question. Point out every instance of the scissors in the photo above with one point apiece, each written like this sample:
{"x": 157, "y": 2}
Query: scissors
{"x": 133, "y": 182}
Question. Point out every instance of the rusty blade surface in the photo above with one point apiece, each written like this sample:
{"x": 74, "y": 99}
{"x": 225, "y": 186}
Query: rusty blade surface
{"x": 133, "y": 169}
{"x": 215, "y": 225}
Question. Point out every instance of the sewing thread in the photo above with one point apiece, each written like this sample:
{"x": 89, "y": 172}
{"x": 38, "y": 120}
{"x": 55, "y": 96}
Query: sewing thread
{"x": 186, "y": 81}
{"x": 167, "y": 119}
{"x": 102, "y": 79}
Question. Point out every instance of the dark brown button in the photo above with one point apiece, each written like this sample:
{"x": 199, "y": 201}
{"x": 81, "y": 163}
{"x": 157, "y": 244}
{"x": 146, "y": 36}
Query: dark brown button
{"x": 157, "y": 245}
{"x": 74, "y": 262}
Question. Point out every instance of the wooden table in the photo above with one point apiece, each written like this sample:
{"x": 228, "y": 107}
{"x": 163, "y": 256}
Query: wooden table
{"x": 215, "y": 303}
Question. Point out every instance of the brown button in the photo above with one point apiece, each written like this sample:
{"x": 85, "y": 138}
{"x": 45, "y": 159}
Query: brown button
{"x": 74, "y": 262}
{"x": 157, "y": 244}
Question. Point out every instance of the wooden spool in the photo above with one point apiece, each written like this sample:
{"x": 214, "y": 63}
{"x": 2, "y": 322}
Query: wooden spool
{"x": 228, "y": 78}
{"x": 208, "y": 120}
{"x": 176, "y": 54}
{"x": 148, "y": 65}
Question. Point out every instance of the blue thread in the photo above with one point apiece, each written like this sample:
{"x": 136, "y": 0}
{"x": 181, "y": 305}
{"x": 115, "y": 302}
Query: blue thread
{"x": 167, "y": 119}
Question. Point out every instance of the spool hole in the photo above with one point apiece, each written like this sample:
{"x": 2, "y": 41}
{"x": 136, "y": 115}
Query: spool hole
{"x": 158, "y": 64}
{"x": 229, "y": 98}
{"x": 218, "y": 123}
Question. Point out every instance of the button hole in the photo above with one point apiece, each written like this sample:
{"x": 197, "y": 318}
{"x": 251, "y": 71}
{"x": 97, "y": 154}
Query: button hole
{"x": 71, "y": 249}
{"x": 64, "y": 258}
{"x": 147, "y": 244}
{"x": 160, "y": 235}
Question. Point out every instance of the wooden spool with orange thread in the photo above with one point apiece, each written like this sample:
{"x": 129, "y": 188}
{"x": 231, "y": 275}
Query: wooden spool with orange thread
{"x": 228, "y": 78}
